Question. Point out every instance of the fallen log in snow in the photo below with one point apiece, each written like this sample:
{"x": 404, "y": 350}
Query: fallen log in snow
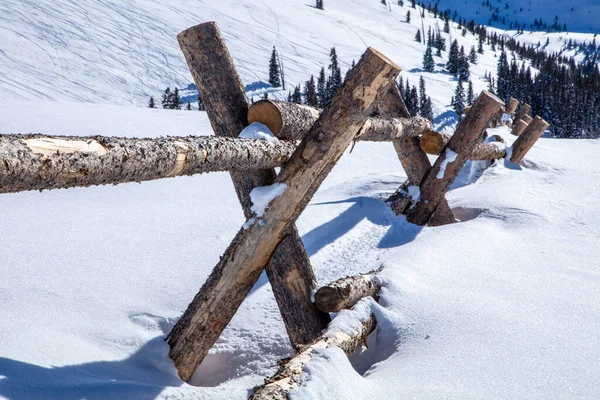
{"x": 346, "y": 292}
{"x": 291, "y": 121}
{"x": 36, "y": 162}
{"x": 434, "y": 142}
{"x": 288, "y": 377}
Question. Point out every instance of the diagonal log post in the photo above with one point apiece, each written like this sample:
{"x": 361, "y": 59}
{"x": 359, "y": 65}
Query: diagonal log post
{"x": 239, "y": 268}
{"x": 289, "y": 271}
{"x": 450, "y": 162}
{"x": 527, "y": 139}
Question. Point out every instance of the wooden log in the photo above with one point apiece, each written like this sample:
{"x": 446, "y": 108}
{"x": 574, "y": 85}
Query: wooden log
{"x": 512, "y": 106}
{"x": 451, "y": 161}
{"x": 241, "y": 265}
{"x": 392, "y": 105}
{"x": 434, "y": 142}
{"x": 289, "y": 375}
{"x": 528, "y": 138}
{"x": 523, "y": 111}
{"x": 519, "y": 127}
{"x": 289, "y": 271}
{"x": 37, "y": 162}
{"x": 527, "y": 119}
{"x": 346, "y": 292}
{"x": 291, "y": 121}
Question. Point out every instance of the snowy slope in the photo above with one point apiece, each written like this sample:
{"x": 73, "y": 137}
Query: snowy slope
{"x": 123, "y": 52}
{"x": 502, "y": 305}
{"x": 579, "y": 15}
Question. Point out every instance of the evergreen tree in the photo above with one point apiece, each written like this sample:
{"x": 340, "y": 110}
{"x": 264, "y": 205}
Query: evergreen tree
{"x": 503, "y": 77}
{"x": 274, "y": 73}
{"x": 473, "y": 55}
{"x": 463, "y": 67}
{"x": 320, "y": 4}
{"x": 189, "y": 106}
{"x": 413, "y": 4}
{"x": 453, "y": 60}
{"x": 418, "y": 36}
{"x": 296, "y": 95}
{"x": 428, "y": 63}
{"x": 470, "y": 93}
{"x": 176, "y": 100}
{"x": 384, "y": 2}
{"x": 446, "y": 24}
{"x": 151, "y": 103}
{"x": 200, "y": 104}
{"x": 335, "y": 79}
{"x": 310, "y": 92}
{"x": 480, "y": 46}
{"x": 408, "y": 16}
{"x": 167, "y": 98}
{"x": 425, "y": 108}
{"x": 321, "y": 89}
{"x": 459, "y": 99}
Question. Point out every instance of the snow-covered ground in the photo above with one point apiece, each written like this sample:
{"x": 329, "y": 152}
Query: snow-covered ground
{"x": 502, "y": 305}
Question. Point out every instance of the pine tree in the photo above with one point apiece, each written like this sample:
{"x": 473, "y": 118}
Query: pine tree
{"x": 453, "y": 61}
{"x": 408, "y": 16}
{"x": 310, "y": 92}
{"x": 151, "y": 103}
{"x": 503, "y": 77}
{"x": 189, "y": 106}
{"x": 473, "y": 55}
{"x": 463, "y": 65}
{"x": 446, "y": 24}
{"x": 425, "y": 109}
{"x": 166, "y": 99}
{"x": 335, "y": 79}
{"x": 320, "y": 4}
{"x": 383, "y": 2}
{"x": 470, "y": 93}
{"x": 418, "y": 36}
{"x": 200, "y": 104}
{"x": 321, "y": 89}
{"x": 296, "y": 95}
{"x": 175, "y": 100}
{"x": 459, "y": 99}
{"x": 274, "y": 73}
{"x": 428, "y": 63}
{"x": 413, "y": 4}
{"x": 480, "y": 46}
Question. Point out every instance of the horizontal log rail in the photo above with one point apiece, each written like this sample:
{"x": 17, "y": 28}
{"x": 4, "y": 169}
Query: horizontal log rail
{"x": 434, "y": 142}
{"x": 346, "y": 292}
{"x": 37, "y": 162}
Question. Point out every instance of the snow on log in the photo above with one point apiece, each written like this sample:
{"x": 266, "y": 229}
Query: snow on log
{"x": 346, "y": 292}
{"x": 37, "y": 162}
{"x": 519, "y": 127}
{"x": 512, "y": 106}
{"x": 523, "y": 112}
{"x": 434, "y": 142}
{"x": 289, "y": 271}
{"x": 241, "y": 265}
{"x": 527, "y": 119}
{"x": 289, "y": 375}
{"x": 291, "y": 121}
{"x": 528, "y": 138}
{"x": 451, "y": 161}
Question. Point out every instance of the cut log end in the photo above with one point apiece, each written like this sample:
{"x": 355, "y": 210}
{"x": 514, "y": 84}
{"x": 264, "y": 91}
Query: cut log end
{"x": 266, "y": 112}
{"x": 346, "y": 292}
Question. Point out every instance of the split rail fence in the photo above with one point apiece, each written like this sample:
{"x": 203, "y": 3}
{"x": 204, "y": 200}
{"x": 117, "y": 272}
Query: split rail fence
{"x": 368, "y": 107}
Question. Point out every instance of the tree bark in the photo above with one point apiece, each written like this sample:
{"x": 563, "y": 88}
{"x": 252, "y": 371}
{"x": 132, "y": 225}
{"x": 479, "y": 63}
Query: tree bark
{"x": 523, "y": 111}
{"x": 519, "y": 127}
{"x": 291, "y": 121}
{"x": 288, "y": 377}
{"x": 37, "y": 162}
{"x": 434, "y": 142}
{"x": 528, "y": 138}
{"x": 346, "y": 292}
{"x": 451, "y": 161}
{"x": 527, "y": 119}
{"x": 289, "y": 271}
{"x": 512, "y": 106}
{"x": 240, "y": 266}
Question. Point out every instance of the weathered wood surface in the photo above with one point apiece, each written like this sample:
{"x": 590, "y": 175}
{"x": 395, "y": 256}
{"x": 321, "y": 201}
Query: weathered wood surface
{"x": 289, "y": 271}
{"x": 512, "y": 106}
{"x": 291, "y": 121}
{"x": 346, "y": 292}
{"x": 523, "y": 112}
{"x": 434, "y": 142}
{"x": 527, "y": 119}
{"x": 451, "y": 161}
{"x": 241, "y": 265}
{"x": 38, "y": 162}
{"x": 519, "y": 127}
{"x": 288, "y": 377}
{"x": 528, "y": 138}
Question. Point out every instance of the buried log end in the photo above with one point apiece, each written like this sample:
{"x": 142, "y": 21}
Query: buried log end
{"x": 266, "y": 112}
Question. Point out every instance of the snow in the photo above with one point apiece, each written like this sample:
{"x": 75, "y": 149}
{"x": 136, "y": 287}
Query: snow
{"x": 415, "y": 193}
{"x": 257, "y": 130}
{"x": 262, "y": 196}
{"x": 449, "y": 157}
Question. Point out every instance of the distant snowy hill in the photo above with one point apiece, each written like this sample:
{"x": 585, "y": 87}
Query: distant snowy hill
{"x": 123, "y": 52}
{"x": 578, "y": 15}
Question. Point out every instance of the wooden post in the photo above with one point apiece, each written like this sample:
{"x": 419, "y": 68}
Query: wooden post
{"x": 527, "y": 119}
{"x": 451, "y": 161}
{"x": 528, "y": 138}
{"x": 288, "y": 377}
{"x": 240, "y": 266}
{"x": 512, "y": 106}
{"x": 346, "y": 292}
{"x": 38, "y": 162}
{"x": 523, "y": 111}
{"x": 519, "y": 127}
{"x": 222, "y": 92}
